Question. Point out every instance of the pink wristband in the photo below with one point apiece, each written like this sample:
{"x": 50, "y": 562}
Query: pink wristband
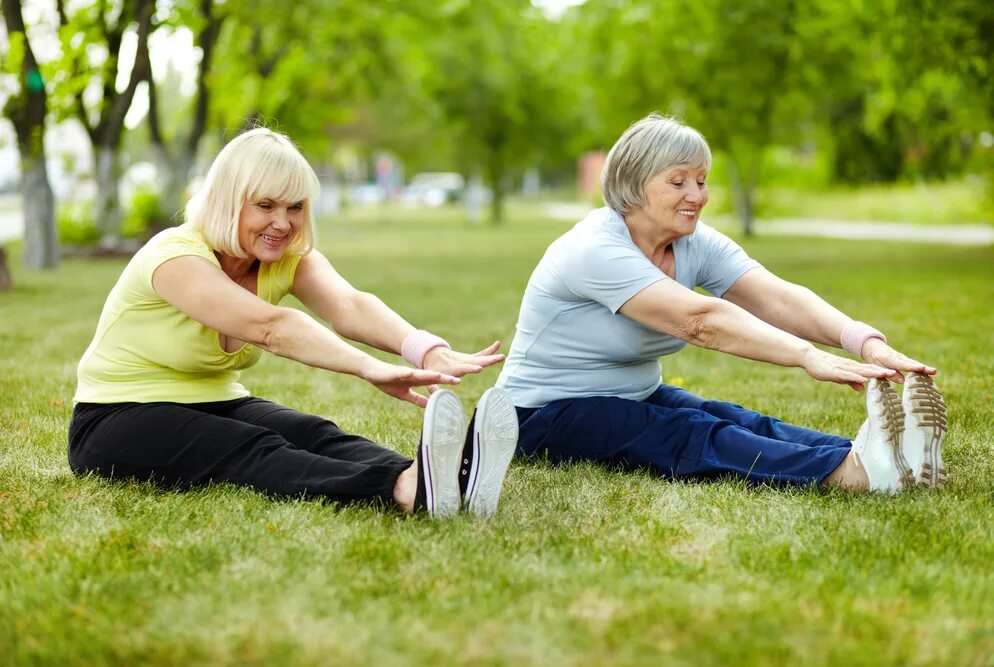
{"x": 855, "y": 334}
{"x": 418, "y": 344}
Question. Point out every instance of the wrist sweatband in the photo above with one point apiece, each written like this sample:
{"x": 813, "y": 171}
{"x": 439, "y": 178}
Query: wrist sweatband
{"x": 855, "y": 334}
{"x": 418, "y": 344}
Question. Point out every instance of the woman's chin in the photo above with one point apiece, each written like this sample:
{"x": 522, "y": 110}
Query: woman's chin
{"x": 270, "y": 255}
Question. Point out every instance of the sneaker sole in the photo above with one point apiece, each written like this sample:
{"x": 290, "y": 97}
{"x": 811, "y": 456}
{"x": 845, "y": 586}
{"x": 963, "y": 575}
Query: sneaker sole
{"x": 926, "y": 423}
{"x": 893, "y": 416}
{"x": 495, "y": 437}
{"x": 442, "y": 437}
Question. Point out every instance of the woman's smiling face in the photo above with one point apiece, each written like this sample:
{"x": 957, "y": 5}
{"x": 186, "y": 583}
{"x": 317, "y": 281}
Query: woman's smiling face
{"x": 266, "y": 227}
{"x": 675, "y": 198}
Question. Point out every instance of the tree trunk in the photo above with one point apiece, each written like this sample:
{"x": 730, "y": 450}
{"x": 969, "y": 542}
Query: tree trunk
{"x": 175, "y": 176}
{"x": 743, "y": 195}
{"x": 41, "y": 241}
{"x": 495, "y": 173}
{"x": 6, "y": 282}
{"x": 108, "y": 206}
{"x": 27, "y": 110}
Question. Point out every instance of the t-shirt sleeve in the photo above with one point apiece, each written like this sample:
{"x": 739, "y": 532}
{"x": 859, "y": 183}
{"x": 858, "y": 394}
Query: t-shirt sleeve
{"x": 722, "y": 261}
{"x": 160, "y": 251}
{"x": 608, "y": 272}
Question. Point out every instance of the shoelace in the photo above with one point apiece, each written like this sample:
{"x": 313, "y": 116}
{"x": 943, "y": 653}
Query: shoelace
{"x": 927, "y": 402}
{"x": 893, "y": 412}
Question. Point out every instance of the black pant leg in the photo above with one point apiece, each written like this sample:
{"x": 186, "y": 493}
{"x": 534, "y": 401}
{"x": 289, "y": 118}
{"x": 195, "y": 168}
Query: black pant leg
{"x": 182, "y": 446}
{"x": 312, "y": 433}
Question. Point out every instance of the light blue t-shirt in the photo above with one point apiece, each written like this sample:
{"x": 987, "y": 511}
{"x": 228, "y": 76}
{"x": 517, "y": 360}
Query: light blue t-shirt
{"x": 571, "y": 342}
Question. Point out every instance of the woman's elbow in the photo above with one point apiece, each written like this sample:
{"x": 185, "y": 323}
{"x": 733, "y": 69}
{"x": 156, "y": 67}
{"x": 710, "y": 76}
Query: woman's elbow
{"x": 700, "y": 327}
{"x": 274, "y": 330}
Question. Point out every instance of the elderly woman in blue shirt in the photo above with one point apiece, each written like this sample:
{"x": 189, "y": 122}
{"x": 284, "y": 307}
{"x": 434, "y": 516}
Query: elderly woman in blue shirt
{"x": 616, "y": 292}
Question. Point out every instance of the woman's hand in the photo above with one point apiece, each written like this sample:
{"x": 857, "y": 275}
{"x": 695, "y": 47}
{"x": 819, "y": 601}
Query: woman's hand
{"x": 397, "y": 381}
{"x": 459, "y": 363}
{"x": 876, "y": 351}
{"x": 829, "y": 367}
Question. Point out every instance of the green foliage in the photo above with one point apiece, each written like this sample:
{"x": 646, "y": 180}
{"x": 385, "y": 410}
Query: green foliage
{"x": 496, "y": 80}
{"x": 826, "y": 92}
{"x": 12, "y": 57}
{"x": 145, "y": 210}
{"x": 76, "y": 224}
{"x": 582, "y": 566}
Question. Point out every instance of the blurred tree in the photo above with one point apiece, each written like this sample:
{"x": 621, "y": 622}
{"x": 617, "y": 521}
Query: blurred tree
{"x": 86, "y": 79}
{"x": 904, "y": 87}
{"x": 494, "y": 80}
{"x": 841, "y": 48}
{"x": 726, "y": 66}
{"x": 176, "y": 155}
{"x": 941, "y": 80}
{"x": 27, "y": 108}
{"x": 300, "y": 68}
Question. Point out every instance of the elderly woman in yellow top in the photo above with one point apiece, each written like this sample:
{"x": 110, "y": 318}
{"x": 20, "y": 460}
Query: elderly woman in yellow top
{"x": 159, "y": 396}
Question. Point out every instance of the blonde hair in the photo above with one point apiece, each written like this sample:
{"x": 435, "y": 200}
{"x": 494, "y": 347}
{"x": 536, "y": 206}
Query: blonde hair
{"x": 648, "y": 147}
{"x": 258, "y": 164}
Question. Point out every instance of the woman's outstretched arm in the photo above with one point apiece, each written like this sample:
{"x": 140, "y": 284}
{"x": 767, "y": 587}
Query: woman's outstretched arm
{"x": 363, "y": 317}
{"x": 798, "y": 310}
{"x": 671, "y": 308}
{"x": 205, "y": 293}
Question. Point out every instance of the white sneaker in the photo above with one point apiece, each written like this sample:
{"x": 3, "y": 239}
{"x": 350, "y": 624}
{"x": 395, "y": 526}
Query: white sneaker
{"x": 489, "y": 448}
{"x": 878, "y": 443}
{"x": 924, "y": 429}
{"x": 442, "y": 434}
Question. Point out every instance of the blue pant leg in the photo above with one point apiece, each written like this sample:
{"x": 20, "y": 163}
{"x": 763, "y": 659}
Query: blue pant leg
{"x": 674, "y": 442}
{"x": 758, "y": 423}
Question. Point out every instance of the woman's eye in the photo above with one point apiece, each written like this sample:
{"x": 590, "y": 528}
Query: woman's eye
{"x": 297, "y": 207}
{"x": 265, "y": 206}
{"x": 677, "y": 184}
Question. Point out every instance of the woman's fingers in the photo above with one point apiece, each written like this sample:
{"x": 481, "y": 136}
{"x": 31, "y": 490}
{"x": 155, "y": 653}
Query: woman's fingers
{"x": 423, "y": 378}
{"x": 488, "y": 360}
{"x": 891, "y": 358}
{"x": 460, "y": 363}
{"x": 412, "y": 377}
{"x": 490, "y": 349}
{"x": 414, "y": 397}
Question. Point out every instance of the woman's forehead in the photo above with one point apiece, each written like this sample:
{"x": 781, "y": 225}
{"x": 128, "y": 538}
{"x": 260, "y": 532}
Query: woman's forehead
{"x": 280, "y": 200}
{"x": 684, "y": 169}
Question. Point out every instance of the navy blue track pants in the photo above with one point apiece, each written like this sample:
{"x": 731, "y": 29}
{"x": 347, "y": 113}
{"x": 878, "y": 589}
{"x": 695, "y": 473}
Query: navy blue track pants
{"x": 678, "y": 434}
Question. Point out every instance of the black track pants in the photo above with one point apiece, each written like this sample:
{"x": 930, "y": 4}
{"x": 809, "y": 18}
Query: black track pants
{"x": 247, "y": 441}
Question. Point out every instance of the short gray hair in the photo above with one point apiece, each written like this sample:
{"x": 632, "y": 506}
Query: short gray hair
{"x": 648, "y": 147}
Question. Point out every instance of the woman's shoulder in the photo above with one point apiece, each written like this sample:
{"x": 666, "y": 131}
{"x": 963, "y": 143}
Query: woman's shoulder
{"x": 601, "y": 227}
{"x": 181, "y": 234}
{"x": 181, "y": 240}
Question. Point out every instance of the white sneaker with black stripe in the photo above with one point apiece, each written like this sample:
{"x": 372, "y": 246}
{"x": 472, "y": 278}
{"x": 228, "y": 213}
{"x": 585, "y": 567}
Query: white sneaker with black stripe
{"x": 442, "y": 434}
{"x": 924, "y": 429}
{"x": 878, "y": 443}
{"x": 489, "y": 447}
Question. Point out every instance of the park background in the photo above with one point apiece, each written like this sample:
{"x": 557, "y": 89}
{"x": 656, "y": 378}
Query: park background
{"x": 854, "y": 153}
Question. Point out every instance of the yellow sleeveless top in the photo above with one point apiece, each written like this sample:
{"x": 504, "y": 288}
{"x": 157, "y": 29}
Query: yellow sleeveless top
{"x": 146, "y": 350}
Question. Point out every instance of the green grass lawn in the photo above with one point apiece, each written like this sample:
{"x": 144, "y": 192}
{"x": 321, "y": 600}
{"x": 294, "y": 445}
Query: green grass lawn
{"x": 582, "y": 566}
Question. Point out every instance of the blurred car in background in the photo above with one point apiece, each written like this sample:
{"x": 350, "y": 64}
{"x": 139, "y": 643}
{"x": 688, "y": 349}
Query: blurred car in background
{"x": 367, "y": 193}
{"x": 434, "y": 189}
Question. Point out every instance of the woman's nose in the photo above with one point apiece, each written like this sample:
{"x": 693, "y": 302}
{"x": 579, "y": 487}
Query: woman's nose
{"x": 281, "y": 219}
